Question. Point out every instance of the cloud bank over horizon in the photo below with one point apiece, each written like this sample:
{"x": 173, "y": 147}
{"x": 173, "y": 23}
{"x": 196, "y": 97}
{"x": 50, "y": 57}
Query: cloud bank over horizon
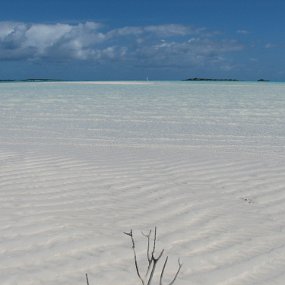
{"x": 157, "y": 46}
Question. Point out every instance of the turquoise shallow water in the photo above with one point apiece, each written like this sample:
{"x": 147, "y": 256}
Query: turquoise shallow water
{"x": 238, "y": 114}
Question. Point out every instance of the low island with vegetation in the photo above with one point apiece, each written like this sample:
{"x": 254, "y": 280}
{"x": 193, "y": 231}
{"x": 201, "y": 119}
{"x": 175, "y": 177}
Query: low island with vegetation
{"x": 208, "y": 79}
{"x": 30, "y": 80}
{"x": 219, "y": 79}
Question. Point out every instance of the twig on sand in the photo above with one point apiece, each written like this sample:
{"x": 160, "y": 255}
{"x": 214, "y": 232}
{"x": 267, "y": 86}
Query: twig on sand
{"x": 152, "y": 260}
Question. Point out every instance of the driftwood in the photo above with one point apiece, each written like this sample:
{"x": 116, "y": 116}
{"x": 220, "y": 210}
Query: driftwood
{"x": 152, "y": 259}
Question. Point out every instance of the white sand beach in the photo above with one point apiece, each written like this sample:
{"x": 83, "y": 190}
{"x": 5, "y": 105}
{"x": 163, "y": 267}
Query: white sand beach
{"x": 82, "y": 163}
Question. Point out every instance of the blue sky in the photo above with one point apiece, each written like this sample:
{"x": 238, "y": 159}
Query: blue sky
{"x": 133, "y": 39}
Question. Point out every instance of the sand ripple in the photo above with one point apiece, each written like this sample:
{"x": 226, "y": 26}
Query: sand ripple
{"x": 62, "y": 216}
{"x": 82, "y": 163}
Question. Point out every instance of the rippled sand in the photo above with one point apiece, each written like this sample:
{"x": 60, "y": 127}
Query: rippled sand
{"x": 80, "y": 164}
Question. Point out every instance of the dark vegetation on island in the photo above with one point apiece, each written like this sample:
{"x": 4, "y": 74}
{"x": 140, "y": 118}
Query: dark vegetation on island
{"x": 30, "y": 80}
{"x": 214, "y": 79}
{"x": 189, "y": 79}
{"x": 262, "y": 80}
{"x": 208, "y": 79}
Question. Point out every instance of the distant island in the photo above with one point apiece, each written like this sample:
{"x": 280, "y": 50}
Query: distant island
{"x": 30, "y": 80}
{"x": 263, "y": 80}
{"x": 58, "y": 80}
{"x": 215, "y": 79}
{"x": 208, "y": 79}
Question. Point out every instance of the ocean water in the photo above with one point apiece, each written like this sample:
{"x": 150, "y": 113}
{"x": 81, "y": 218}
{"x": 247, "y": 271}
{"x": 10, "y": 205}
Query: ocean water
{"x": 185, "y": 114}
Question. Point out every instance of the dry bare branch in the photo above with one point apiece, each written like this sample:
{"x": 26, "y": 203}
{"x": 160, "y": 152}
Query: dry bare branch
{"x": 152, "y": 260}
{"x": 130, "y": 234}
{"x": 87, "y": 281}
{"x": 178, "y": 270}
{"x": 148, "y": 236}
{"x": 148, "y": 245}
{"x": 155, "y": 260}
{"x": 154, "y": 243}
{"x": 176, "y": 274}
{"x": 162, "y": 271}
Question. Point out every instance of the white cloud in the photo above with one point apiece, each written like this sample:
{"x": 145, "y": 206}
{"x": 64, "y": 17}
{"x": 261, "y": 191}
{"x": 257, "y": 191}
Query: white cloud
{"x": 41, "y": 37}
{"x": 155, "y": 45}
{"x": 157, "y": 30}
{"x": 270, "y": 45}
{"x": 169, "y": 30}
{"x": 195, "y": 51}
{"x": 33, "y": 41}
{"x": 243, "y": 32}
